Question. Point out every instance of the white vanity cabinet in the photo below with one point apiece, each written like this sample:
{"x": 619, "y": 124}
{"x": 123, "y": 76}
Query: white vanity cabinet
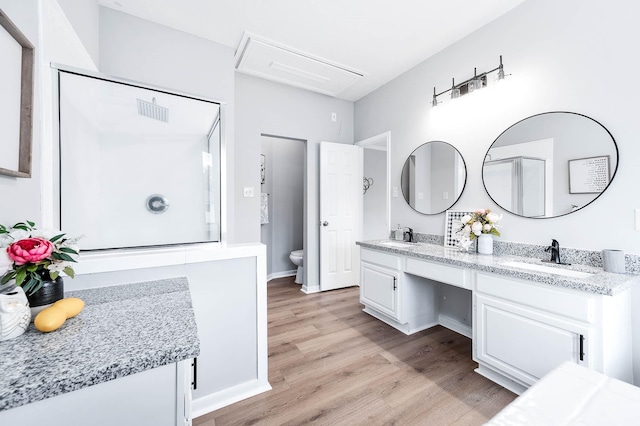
{"x": 159, "y": 396}
{"x": 380, "y": 288}
{"x": 523, "y": 330}
{"x": 394, "y": 297}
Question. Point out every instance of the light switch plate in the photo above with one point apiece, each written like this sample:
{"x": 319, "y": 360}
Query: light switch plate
{"x": 248, "y": 191}
{"x": 394, "y": 192}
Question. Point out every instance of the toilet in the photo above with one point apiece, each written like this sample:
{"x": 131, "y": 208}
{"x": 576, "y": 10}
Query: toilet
{"x": 296, "y": 257}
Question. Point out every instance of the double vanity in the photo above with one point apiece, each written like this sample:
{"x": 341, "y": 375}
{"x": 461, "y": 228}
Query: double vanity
{"x": 525, "y": 317}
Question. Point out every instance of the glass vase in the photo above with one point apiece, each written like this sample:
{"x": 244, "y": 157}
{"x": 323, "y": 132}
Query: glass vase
{"x": 50, "y": 292}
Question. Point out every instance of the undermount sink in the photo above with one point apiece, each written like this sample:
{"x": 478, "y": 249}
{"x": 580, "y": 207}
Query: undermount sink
{"x": 548, "y": 269}
{"x": 400, "y": 244}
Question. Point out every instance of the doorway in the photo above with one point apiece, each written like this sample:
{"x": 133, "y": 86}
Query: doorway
{"x": 282, "y": 202}
{"x": 376, "y": 187}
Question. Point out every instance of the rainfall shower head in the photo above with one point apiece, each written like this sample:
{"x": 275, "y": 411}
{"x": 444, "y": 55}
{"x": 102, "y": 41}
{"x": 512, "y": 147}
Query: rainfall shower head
{"x": 153, "y": 110}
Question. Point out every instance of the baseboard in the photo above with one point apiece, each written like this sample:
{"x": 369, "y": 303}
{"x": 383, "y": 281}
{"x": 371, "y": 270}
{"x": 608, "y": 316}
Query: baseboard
{"x": 403, "y": 327}
{"x": 215, "y": 401}
{"x": 455, "y": 325}
{"x": 309, "y": 290}
{"x": 281, "y": 274}
{"x": 498, "y": 378}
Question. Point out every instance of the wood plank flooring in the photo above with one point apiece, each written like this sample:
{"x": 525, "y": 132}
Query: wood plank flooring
{"x": 332, "y": 364}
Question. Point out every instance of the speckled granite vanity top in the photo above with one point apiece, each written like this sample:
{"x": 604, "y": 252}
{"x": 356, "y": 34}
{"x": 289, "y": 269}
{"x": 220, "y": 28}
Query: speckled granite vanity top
{"x": 122, "y": 330}
{"x": 598, "y": 282}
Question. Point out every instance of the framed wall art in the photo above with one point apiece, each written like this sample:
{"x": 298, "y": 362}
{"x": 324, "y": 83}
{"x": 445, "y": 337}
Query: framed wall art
{"x": 588, "y": 175}
{"x": 16, "y": 102}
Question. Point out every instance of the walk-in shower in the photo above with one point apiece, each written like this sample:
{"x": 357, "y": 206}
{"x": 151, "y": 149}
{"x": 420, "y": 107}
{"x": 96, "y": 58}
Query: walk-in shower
{"x": 138, "y": 166}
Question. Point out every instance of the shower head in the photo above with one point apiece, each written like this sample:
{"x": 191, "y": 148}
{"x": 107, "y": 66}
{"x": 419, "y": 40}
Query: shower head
{"x": 153, "y": 110}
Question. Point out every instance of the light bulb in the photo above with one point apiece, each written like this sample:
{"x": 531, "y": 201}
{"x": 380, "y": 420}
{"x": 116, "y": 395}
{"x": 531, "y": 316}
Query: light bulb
{"x": 455, "y": 91}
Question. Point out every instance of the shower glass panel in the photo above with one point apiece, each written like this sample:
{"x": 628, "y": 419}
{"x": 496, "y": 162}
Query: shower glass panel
{"x": 138, "y": 167}
{"x": 517, "y": 184}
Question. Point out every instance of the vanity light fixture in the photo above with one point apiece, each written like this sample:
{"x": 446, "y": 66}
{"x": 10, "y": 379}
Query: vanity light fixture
{"x": 500, "y": 70}
{"x": 474, "y": 83}
{"x": 455, "y": 91}
{"x": 434, "y": 101}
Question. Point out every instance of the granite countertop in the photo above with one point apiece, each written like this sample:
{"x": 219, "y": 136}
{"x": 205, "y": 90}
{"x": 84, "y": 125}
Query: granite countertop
{"x": 599, "y": 282}
{"x": 122, "y": 330}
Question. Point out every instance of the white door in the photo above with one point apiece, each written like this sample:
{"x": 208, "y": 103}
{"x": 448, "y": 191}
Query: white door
{"x": 340, "y": 214}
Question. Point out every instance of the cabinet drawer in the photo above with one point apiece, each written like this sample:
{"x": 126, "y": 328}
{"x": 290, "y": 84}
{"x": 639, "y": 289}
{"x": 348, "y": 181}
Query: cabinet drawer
{"x": 559, "y": 301}
{"x": 448, "y": 274}
{"x": 381, "y": 258}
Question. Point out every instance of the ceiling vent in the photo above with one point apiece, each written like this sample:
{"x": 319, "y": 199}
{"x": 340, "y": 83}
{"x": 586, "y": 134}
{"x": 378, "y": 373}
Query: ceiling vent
{"x": 266, "y": 59}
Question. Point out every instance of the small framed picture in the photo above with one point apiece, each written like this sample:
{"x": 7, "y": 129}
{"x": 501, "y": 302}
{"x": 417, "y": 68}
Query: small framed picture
{"x": 452, "y": 221}
{"x": 588, "y": 175}
{"x": 263, "y": 165}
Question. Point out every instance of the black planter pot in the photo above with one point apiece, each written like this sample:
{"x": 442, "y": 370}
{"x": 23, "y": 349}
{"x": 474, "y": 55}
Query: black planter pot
{"x": 51, "y": 291}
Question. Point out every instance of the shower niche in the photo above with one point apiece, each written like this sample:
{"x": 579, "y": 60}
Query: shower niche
{"x": 138, "y": 166}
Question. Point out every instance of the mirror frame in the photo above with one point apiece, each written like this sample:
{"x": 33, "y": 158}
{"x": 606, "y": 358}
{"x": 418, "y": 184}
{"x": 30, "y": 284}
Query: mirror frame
{"x": 26, "y": 100}
{"x": 464, "y": 185}
{"x": 612, "y": 174}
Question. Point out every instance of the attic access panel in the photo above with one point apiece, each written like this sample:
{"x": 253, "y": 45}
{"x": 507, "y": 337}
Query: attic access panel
{"x": 266, "y": 59}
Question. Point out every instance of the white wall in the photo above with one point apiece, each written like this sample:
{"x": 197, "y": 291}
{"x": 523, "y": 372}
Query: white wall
{"x": 21, "y": 197}
{"x": 84, "y": 16}
{"x": 264, "y": 107}
{"x": 564, "y": 56}
{"x": 285, "y": 185}
{"x": 374, "y": 224}
{"x": 143, "y": 51}
{"x": 55, "y": 41}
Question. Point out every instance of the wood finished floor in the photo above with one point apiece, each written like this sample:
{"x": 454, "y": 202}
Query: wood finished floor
{"x": 332, "y": 364}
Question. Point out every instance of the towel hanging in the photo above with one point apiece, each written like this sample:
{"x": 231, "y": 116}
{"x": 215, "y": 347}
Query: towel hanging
{"x": 264, "y": 208}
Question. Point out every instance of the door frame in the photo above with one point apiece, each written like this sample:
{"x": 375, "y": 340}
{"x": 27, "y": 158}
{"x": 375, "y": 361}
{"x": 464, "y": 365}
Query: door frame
{"x": 381, "y": 139}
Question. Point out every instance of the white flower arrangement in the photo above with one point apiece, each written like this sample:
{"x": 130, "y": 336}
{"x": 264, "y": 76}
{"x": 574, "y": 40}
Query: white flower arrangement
{"x": 481, "y": 221}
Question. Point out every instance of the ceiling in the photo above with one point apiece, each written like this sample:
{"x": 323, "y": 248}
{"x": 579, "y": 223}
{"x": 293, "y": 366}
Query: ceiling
{"x": 378, "y": 39}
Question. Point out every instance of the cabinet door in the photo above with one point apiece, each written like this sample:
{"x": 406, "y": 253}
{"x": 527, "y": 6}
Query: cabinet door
{"x": 523, "y": 343}
{"x": 146, "y": 398}
{"x": 379, "y": 288}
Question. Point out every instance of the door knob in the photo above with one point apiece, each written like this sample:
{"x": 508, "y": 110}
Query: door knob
{"x": 325, "y": 223}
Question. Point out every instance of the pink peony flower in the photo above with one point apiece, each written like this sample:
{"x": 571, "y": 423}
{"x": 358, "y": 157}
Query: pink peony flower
{"x": 29, "y": 250}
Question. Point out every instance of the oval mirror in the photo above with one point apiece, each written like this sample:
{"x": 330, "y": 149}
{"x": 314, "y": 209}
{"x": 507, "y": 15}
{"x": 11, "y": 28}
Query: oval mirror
{"x": 433, "y": 177}
{"x": 550, "y": 164}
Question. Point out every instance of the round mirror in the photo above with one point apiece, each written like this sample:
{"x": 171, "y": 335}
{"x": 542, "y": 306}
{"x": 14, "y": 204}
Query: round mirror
{"x": 433, "y": 177}
{"x": 550, "y": 164}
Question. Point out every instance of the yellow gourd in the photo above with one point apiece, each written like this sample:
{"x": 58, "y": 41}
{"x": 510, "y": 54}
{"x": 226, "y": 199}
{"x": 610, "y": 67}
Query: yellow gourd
{"x": 71, "y": 306}
{"x": 50, "y": 319}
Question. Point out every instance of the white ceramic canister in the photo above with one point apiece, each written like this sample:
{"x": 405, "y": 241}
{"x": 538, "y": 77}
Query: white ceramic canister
{"x": 15, "y": 314}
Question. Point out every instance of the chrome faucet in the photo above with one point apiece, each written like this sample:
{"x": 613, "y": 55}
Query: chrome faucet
{"x": 410, "y": 234}
{"x": 554, "y": 248}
